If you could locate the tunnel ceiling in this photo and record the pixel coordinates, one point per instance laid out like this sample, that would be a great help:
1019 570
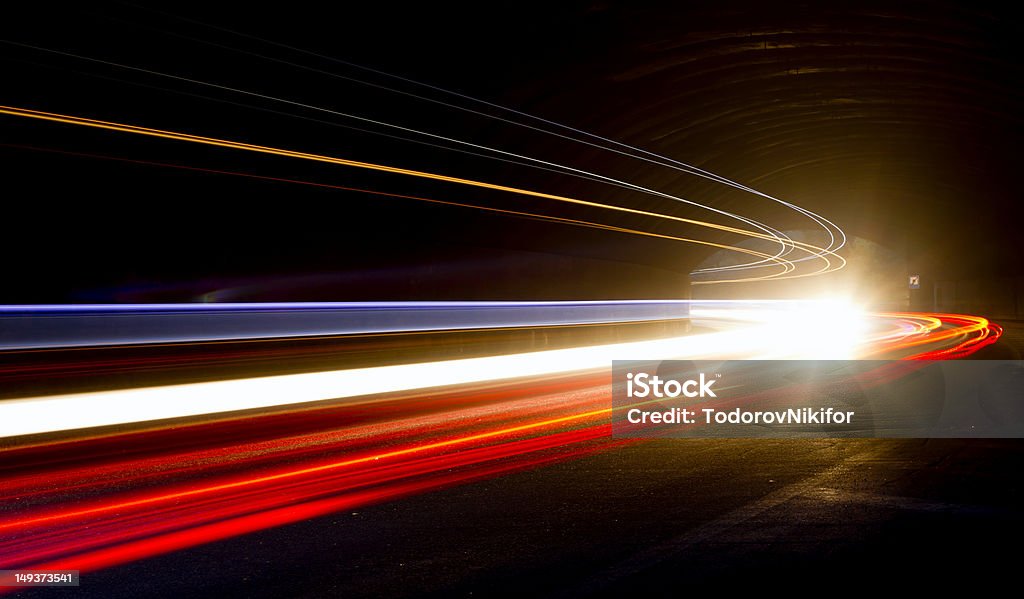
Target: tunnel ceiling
901 122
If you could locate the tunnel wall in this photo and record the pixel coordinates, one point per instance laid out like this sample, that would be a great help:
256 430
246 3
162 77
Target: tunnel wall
1000 297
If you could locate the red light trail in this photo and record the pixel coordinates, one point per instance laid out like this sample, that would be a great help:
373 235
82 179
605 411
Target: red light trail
84 503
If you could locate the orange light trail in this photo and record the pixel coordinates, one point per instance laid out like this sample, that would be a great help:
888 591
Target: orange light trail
433 439
786 265
811 250
964 325
312 470
134 528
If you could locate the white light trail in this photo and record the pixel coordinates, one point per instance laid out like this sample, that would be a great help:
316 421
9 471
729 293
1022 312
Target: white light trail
790 330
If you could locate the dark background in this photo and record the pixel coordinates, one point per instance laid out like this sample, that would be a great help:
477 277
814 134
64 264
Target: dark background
900 122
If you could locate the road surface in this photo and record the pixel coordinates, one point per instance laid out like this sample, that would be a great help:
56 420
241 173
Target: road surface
663 517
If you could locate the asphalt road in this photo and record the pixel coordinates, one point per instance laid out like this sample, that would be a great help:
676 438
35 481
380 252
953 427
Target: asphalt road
663 517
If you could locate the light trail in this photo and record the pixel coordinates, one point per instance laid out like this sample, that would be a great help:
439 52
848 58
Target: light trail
319 470
973 328
122 538
355 428
483 434
99 498
786 265
785 245
104 408
810 249
785 242
85 503
971 344
591 140
809 330
92 325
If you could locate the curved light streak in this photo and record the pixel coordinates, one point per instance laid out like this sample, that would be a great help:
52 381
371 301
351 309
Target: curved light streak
630 151
84 503
178 136
785 245
785 265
